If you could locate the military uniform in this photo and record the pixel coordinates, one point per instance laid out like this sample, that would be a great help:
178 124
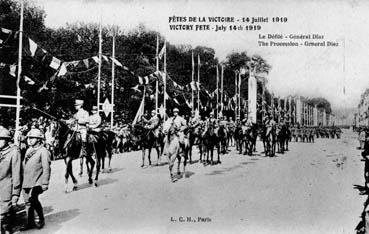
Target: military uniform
10 183
37 173
83 119
153 124
195 123
95 122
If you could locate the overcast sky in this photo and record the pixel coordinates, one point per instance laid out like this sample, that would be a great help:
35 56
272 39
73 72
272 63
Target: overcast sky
321 71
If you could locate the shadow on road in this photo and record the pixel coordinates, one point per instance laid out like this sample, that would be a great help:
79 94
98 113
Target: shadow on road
101 182
112 171
53 221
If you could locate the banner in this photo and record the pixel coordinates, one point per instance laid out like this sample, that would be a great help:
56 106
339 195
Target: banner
252 102
298 110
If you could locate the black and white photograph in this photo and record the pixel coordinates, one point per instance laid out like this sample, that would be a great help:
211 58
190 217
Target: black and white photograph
208 116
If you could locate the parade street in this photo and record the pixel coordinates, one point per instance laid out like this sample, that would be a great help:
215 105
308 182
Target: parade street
307 190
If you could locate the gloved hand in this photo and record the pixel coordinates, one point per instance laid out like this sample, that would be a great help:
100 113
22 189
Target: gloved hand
15 200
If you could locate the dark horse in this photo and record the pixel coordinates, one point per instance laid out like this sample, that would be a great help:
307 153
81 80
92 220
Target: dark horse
248 139
211 140
71 148
147 140
282 138
269 140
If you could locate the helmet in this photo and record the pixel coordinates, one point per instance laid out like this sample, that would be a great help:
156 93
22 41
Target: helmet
36 133
94 108
175 110
153 112
4 133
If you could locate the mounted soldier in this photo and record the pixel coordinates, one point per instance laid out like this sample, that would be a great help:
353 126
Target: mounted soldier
80 119
94 122
195 122
153 123
180 125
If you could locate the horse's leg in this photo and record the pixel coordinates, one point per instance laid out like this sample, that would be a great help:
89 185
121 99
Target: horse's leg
159 155
149 156
179 163
99 158
66 160
218 149
143 157
81 167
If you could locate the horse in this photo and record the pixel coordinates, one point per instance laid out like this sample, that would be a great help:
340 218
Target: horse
270 141
172 149
108 137
147 140
194 136
222 139
70 145
249 134
282 137
211 140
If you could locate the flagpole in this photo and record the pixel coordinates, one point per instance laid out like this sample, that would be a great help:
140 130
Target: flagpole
221 92
99 67
235 90
112 83
193 82
198 81
165 79
157 69
239 95
20 49
217 91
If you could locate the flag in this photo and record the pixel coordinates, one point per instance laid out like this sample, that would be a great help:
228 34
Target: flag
146 79
116 62
32 47
85 61
166 96
13 68
96 59
63 70
161 111
140 111
29 80
198 85
162 51
193 86
55 63
7 31
140 80
105 58
176 101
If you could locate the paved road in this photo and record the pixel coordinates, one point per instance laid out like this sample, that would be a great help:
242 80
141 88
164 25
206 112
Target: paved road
307 190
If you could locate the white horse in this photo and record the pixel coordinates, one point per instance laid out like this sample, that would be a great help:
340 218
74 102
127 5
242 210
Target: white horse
172 148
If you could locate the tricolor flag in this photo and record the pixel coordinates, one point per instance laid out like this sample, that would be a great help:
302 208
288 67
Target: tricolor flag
116 62
32 47
140 111
63 70
55 63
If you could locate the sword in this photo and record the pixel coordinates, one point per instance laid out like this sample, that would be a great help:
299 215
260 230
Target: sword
44 113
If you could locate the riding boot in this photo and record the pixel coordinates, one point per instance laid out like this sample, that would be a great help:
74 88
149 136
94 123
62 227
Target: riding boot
30 218
6 227
38 208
